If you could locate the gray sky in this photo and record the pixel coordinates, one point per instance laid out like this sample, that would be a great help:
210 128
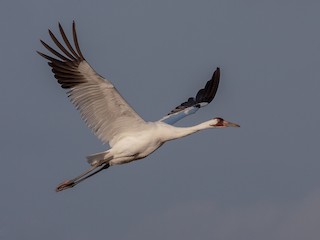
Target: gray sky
257 182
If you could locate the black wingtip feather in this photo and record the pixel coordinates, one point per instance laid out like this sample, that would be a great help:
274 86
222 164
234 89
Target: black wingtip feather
75 39
65 64
62 48
205 95
66 41
214 85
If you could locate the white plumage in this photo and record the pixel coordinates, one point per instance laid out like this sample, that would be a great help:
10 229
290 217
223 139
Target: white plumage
111 118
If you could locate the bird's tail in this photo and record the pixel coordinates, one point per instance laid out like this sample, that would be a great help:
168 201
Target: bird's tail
94 158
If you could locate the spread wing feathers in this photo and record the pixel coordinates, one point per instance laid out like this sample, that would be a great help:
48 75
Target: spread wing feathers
101 106
203 97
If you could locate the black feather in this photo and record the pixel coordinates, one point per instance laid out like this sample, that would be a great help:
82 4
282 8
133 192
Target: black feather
205 95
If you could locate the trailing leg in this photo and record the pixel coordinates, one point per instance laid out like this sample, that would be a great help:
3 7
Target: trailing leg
71 183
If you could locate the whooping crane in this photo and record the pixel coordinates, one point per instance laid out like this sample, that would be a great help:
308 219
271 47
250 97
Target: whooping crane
111 118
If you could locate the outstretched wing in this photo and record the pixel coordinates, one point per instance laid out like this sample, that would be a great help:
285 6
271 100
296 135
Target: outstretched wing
101 106
203 98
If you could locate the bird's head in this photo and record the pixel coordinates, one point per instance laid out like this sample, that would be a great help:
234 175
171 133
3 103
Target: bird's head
221 123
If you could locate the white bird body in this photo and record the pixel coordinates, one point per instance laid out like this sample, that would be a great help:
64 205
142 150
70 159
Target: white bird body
111 118
136 145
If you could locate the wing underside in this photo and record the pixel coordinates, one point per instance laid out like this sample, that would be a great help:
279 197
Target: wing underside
101 106
193 104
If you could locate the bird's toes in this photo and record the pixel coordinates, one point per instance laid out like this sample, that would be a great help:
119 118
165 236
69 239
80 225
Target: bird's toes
65 185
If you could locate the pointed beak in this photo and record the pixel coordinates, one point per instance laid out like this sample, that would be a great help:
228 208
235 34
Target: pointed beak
230 124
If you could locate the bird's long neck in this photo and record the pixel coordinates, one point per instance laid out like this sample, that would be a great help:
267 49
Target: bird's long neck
179 132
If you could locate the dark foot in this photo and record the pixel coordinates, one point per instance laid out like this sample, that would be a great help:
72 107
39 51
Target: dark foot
65 185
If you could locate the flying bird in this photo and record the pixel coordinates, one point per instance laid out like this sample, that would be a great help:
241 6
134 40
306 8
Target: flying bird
111 118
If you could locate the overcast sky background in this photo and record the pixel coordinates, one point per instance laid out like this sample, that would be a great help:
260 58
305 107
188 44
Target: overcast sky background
257 182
